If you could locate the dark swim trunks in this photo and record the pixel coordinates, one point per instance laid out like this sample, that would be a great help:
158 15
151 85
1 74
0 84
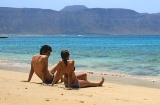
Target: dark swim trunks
74 85
50 81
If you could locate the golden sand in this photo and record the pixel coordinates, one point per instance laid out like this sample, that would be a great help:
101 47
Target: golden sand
15 92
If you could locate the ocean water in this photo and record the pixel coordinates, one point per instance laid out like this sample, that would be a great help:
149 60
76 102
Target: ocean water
137 55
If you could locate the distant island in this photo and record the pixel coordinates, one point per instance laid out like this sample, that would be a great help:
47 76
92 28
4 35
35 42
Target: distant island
3 37
78 19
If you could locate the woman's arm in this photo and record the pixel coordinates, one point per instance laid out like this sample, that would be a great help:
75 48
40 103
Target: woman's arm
58 74
69 80
71 70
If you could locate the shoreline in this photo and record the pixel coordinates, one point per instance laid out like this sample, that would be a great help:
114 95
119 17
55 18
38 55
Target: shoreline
116 78
15 92
124 79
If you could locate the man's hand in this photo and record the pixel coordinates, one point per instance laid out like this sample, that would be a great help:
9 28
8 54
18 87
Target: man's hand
25 81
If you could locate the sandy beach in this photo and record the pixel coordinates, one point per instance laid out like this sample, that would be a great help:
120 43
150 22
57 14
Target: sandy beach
15 92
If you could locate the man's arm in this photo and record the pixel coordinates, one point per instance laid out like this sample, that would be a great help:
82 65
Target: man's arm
30 74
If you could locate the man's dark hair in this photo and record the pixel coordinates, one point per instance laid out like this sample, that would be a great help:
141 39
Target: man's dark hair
45 48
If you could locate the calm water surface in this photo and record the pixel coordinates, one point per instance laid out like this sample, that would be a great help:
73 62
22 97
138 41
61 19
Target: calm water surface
137 55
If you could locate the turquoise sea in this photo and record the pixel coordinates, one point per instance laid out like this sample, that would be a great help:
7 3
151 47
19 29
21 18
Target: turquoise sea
135 55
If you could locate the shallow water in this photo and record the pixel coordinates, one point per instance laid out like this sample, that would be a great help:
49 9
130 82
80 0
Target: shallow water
136 55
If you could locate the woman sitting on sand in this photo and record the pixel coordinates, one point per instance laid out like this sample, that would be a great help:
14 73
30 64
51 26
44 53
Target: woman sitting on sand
66 67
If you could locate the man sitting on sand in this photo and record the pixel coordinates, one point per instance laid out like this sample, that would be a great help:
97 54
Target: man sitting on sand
39 65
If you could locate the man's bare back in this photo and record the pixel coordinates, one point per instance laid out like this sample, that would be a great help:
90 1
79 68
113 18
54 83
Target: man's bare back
40 67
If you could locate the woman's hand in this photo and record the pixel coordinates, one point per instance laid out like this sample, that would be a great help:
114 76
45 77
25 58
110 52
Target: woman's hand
47 84
69 88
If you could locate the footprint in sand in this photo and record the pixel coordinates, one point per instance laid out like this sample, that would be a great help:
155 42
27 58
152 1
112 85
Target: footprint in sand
89 95
144 99
84 95
47 99
81 101
110 87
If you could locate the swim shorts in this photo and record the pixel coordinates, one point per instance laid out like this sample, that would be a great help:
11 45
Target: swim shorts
50 81
74 85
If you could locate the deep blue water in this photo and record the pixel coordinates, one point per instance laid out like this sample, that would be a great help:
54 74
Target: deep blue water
125 54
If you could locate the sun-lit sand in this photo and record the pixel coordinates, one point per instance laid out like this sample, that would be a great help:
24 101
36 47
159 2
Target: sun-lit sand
15 92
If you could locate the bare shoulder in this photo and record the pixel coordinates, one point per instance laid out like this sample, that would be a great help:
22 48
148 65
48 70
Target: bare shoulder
71 61
44 56
60 62
39 57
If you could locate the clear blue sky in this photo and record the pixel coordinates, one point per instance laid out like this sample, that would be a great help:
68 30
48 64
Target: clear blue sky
142 6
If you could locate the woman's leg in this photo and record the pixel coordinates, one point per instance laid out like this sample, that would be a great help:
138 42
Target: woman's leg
53 69
82 76
84 83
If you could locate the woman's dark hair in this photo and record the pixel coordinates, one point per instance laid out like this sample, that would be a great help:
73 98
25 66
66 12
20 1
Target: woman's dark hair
45 48
65 55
